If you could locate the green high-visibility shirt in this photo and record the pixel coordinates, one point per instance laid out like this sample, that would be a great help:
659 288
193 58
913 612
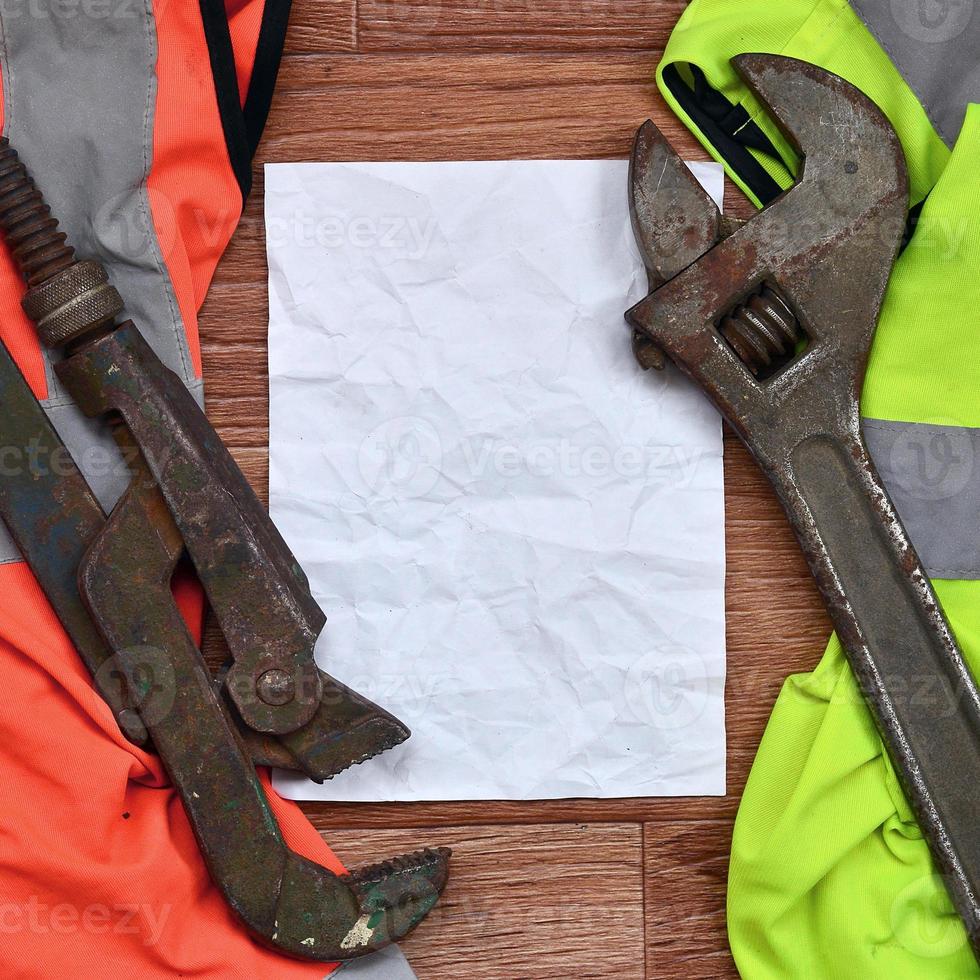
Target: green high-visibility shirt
830 876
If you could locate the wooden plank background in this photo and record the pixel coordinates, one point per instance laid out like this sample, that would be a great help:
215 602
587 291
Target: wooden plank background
575 888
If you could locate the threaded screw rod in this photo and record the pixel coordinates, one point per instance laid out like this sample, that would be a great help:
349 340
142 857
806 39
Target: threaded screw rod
67 299
40 250
763 331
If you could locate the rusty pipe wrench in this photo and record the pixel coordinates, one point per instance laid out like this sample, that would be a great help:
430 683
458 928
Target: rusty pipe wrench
258 592
119 570
775 323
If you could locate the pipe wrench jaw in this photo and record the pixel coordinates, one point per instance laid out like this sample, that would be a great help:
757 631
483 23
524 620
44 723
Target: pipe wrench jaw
330 919
801 282
397 895
346 730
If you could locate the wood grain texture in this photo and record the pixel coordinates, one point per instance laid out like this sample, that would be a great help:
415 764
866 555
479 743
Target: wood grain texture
686 869
525 901
575 25
322 25
536 887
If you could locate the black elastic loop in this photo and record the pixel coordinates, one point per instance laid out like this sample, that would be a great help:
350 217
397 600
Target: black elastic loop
268 54
912 225
222 55
729 129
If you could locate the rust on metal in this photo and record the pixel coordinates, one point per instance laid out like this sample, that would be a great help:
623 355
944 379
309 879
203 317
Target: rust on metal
775 323
53 516
297 906
109 581
257 590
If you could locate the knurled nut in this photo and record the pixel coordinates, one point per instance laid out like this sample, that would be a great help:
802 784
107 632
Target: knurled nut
72 303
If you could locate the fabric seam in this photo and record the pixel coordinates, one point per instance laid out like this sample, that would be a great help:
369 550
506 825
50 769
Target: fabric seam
162 271
894 60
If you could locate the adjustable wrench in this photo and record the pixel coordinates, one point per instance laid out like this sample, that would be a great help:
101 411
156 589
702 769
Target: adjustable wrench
774 320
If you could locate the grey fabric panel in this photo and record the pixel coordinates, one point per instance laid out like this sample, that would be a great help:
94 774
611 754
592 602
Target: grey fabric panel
933 477
935 44
388 964
79 94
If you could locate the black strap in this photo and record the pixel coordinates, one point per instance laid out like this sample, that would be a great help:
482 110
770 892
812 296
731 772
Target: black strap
912 225
222 54
268 54
728 128
243 125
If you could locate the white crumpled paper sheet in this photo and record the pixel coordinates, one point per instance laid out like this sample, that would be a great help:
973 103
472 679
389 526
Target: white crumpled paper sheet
516 534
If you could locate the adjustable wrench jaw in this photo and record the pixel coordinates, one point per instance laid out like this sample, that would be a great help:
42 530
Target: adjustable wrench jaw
823 251
674 221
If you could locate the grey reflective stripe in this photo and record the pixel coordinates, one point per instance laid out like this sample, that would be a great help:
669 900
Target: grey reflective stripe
79 88
932 473
388 964
935 44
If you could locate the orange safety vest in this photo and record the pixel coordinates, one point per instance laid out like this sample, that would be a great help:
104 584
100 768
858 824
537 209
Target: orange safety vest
139 121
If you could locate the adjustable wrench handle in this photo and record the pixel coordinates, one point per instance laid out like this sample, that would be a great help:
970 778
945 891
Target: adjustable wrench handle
899 644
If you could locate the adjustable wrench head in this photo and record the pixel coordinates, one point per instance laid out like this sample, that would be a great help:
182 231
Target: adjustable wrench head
790 299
